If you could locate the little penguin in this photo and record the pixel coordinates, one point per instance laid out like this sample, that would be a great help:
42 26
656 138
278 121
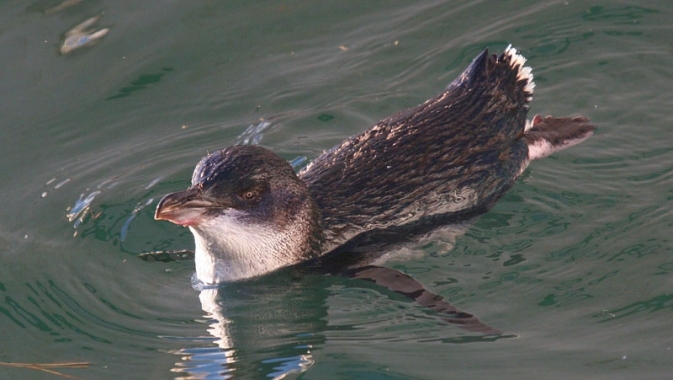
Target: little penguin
444 161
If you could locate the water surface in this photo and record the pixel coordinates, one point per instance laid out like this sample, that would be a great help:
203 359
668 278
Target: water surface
574 261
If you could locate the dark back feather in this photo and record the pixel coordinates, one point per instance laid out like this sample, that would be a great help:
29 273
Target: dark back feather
456 152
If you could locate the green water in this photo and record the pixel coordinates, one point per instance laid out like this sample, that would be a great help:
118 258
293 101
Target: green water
574 261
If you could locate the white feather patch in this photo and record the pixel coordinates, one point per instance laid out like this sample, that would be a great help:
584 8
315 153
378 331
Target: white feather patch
524 73
541 148
230 249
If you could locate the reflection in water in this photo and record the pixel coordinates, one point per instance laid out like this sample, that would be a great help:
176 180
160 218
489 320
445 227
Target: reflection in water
219 323
204 363
141 83
656 303
271 326
258 328
407 286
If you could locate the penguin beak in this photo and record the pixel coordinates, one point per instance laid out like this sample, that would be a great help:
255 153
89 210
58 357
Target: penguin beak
184 208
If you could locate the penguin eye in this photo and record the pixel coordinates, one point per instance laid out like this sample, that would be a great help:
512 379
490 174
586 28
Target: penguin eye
249 194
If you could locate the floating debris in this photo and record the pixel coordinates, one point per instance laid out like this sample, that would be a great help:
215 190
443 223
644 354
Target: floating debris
82 35
50 367
298 161
253 134
80 207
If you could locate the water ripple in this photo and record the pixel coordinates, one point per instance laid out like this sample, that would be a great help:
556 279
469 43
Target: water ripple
51 310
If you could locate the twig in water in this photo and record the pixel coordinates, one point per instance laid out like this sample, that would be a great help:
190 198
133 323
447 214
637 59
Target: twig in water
44 367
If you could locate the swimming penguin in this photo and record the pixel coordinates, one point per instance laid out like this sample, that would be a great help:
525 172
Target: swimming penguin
444 161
